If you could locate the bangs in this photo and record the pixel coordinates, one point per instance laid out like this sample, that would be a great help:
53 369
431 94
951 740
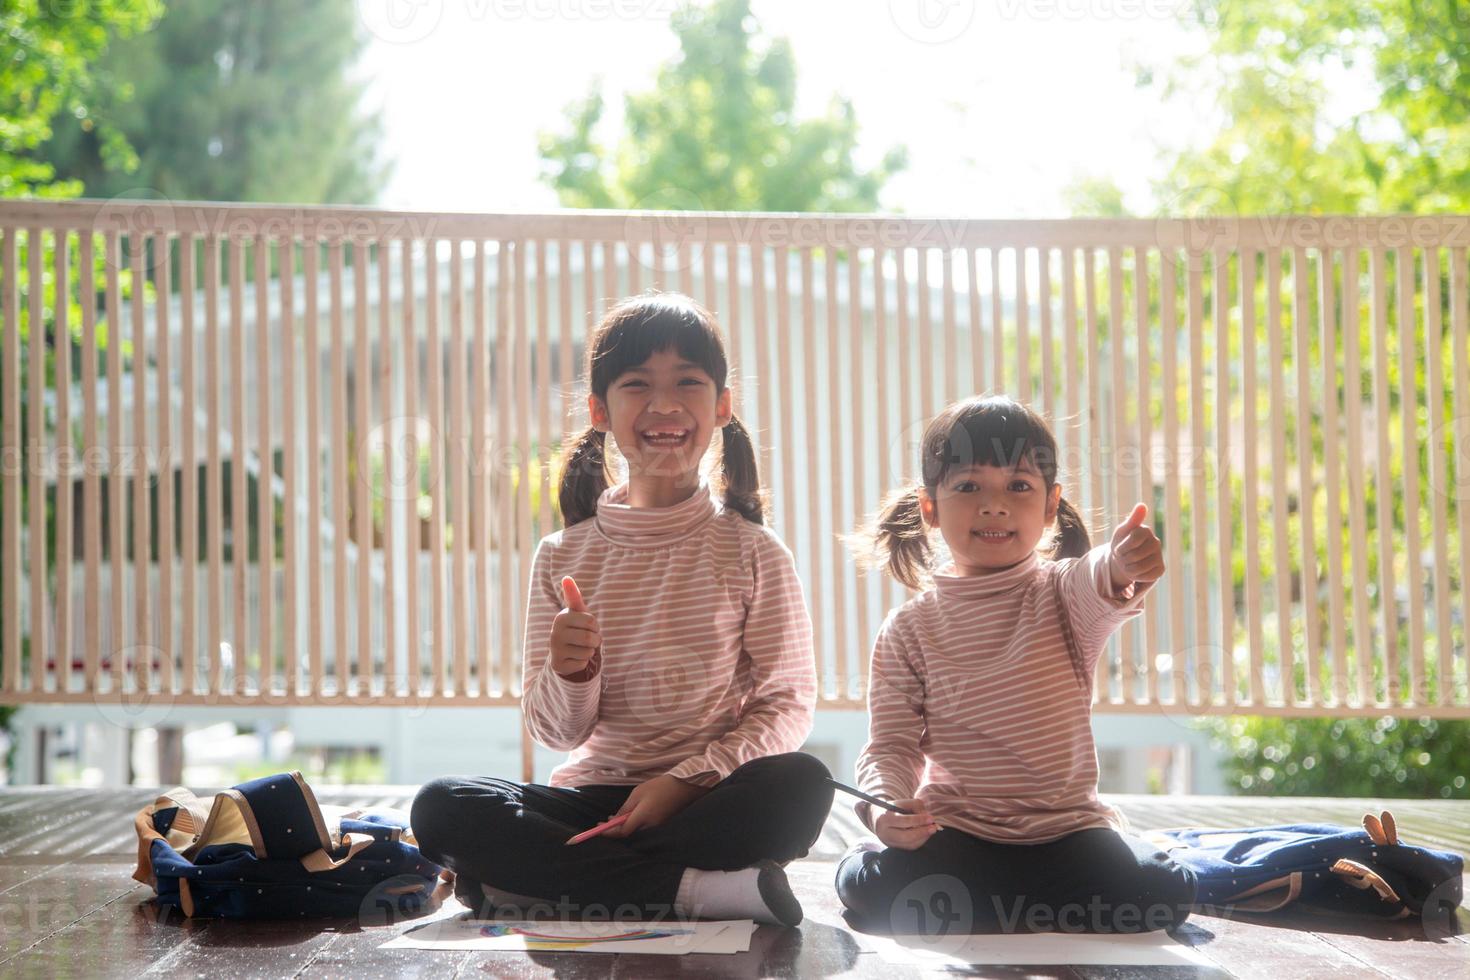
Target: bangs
637 329
990 432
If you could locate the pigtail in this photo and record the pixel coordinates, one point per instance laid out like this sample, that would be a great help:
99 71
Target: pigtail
1071 538
897 539
741 473
583 476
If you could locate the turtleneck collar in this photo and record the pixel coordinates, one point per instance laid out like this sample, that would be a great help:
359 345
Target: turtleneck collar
652 526
955 586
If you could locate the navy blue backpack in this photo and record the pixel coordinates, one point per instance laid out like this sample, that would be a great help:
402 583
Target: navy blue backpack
1317 868
266 850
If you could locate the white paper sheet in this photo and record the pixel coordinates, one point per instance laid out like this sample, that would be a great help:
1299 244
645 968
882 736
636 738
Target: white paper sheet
1080 949
659 938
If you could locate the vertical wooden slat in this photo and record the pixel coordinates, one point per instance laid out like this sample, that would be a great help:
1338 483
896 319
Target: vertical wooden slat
1073 428
909 423
709 295
1281 558
1173 523
505 507
311 374
290 663
809 359
214 489
1023 329
1386 489
413 548
239 447
483 460
65 474
264 494
1097 501
1327 333
433 375
1306 503
338 455
116 491
166 457
91 488
861 502
1048 352
1220 293
1363 640
759 323
543 388
888 474
951 368
391 488
838 474
522 362
362 508
10 574
1141 320
1409 446
1434 399
997 327
1250 508
1199 579
977 346
456 460
566 375
1459 296
686 268
634 253
39 449
142 532
928 402
732 320
788 519
1116 439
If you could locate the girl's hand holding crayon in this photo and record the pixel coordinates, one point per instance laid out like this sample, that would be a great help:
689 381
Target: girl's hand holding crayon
654 801
905 831
1137 555
576 641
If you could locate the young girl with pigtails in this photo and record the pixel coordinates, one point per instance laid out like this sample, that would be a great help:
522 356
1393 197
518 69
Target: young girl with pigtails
668 648
980 698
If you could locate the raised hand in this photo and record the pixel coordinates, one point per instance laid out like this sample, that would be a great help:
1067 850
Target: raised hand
576 641
1137 554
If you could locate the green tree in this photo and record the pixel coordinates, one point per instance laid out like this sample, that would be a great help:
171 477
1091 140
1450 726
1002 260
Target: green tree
719 131
231 101
48 81
1273 71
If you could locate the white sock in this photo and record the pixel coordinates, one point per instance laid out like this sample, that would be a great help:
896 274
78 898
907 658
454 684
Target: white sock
737 895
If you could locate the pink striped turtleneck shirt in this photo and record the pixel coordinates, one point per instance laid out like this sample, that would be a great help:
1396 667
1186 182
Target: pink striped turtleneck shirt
707 656
977 709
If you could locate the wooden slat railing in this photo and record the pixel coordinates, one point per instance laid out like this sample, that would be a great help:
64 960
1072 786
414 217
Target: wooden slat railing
363 409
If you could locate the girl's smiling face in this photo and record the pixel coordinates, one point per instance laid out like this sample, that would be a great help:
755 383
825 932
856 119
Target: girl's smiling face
663 414
991 517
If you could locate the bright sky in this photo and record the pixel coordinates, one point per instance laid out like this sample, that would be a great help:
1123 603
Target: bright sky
1001 104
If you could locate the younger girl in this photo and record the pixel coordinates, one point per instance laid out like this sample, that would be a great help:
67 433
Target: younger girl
669 649
980 701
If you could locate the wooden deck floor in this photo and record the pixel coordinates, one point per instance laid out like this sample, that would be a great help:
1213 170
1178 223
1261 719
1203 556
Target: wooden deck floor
69 908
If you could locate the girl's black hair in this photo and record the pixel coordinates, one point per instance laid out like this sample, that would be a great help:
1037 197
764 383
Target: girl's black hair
625 337
983 431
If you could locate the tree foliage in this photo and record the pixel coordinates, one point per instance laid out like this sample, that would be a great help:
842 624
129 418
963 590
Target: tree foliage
719 131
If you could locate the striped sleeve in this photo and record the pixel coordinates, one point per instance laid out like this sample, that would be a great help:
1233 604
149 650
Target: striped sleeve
1095 610
891 763
560 713
776 717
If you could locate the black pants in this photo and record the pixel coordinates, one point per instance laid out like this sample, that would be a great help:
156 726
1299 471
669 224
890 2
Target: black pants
512 836
1090 881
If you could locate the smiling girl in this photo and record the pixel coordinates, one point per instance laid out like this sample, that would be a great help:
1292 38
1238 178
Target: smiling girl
668 648
980 700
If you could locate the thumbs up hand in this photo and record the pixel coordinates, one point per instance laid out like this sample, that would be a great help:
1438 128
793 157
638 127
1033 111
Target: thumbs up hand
576 641
1137 555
